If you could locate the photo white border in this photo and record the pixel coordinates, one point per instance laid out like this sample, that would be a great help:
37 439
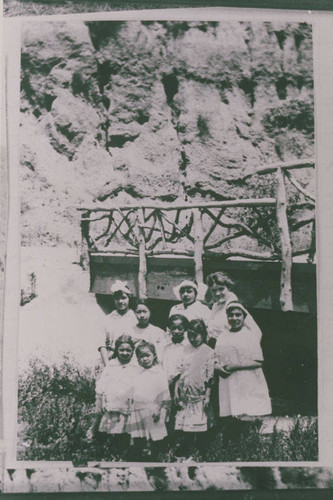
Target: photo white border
322 23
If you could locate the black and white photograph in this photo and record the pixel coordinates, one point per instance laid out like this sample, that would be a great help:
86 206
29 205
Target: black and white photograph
168 242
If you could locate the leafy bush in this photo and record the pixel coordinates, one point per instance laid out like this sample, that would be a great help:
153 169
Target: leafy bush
55 404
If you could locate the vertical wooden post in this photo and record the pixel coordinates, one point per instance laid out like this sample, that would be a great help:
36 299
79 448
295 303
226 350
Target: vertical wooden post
312 251
142 277
198 245
85 228
286 299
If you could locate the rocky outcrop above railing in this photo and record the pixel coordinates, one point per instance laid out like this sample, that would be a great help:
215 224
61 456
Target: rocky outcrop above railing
127 111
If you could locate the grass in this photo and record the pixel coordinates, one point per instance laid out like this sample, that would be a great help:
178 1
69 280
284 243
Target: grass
55 404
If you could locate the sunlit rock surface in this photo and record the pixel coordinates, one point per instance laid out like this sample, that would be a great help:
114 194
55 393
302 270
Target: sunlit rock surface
120 111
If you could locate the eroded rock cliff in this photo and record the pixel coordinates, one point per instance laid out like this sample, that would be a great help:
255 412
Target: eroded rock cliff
159 110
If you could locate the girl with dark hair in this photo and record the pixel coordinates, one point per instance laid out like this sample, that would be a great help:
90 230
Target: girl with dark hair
243 391
144 330
122 319
174 349
150 402
114 397
192 393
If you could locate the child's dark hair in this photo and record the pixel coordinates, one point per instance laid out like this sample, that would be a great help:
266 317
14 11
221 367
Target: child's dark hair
198 326
146 345
119 293
142 302
176 317
123 339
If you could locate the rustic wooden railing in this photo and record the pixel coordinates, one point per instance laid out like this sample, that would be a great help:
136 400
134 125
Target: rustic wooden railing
198 229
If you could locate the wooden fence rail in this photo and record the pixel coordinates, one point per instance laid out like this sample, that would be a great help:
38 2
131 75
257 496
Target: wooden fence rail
189 229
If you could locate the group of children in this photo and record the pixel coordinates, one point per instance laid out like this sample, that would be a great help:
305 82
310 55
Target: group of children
157 384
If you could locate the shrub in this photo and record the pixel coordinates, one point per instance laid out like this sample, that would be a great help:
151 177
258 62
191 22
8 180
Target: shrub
55 403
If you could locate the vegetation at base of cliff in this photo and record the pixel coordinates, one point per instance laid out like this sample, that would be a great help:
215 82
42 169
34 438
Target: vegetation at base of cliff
55 404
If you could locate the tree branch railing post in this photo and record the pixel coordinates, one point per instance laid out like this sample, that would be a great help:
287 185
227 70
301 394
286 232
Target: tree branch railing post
198 245
85 230
193 231
142 276
286 300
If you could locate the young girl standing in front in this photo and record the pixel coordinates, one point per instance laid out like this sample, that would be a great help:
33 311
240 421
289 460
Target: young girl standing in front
192 392
150 402
114 397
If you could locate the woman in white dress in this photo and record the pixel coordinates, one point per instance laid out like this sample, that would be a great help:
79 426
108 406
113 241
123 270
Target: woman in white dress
243 391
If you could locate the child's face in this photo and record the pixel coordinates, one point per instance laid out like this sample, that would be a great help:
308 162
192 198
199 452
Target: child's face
188 295
142 315
121 301
146 358
125 353
177 331
219 292
236 318
195 338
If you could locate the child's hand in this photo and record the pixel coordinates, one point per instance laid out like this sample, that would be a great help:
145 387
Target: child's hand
206 401
156 416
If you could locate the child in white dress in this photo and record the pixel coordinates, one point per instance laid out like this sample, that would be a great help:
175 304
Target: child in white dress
173 360
192 392
174 349
144 330
243 391
114 397
122 319
150 403
190 307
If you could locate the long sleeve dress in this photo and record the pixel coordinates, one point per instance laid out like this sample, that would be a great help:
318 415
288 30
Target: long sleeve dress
150 396
196 375
117 324
114 390
244 392
151 334
197 310
173 358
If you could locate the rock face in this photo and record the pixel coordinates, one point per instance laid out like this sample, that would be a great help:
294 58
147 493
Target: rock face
159 110
170 478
